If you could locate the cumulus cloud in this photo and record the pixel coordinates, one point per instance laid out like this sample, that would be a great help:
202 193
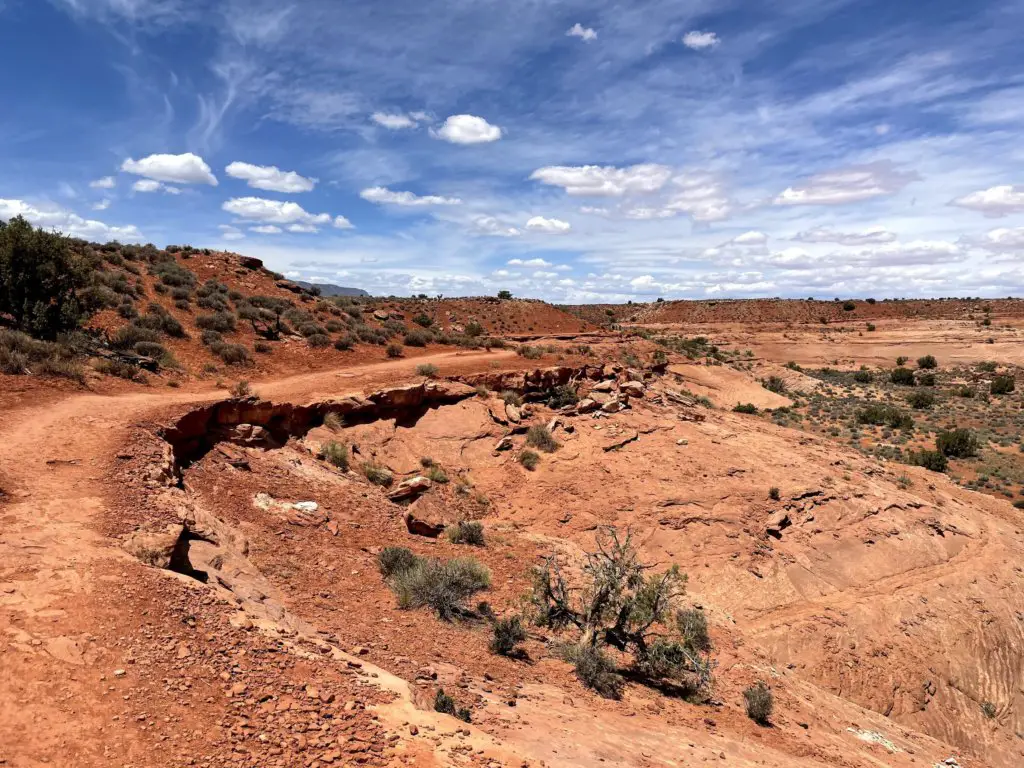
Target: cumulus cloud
873 236
281 213
266 229
848 185
915 252
1004 239
529 263
385 196
467 129
270 178
698 40
489 225
752 237
586 34
175 169
107 182
701 197
102 205
52 217
146 185
230 233
994 201
548 226
604 181
397 121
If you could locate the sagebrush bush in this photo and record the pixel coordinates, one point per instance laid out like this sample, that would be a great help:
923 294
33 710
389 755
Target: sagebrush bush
529 459
318 340
745 408
774 384
232 354
935 461
391 560
927 362
417 338
465 532
446 705
693 627
959 443
540 437
506 634
224 322
596 671
427 369
921 400
759 702
903 377
1002 385
150 349
120 369
335 453
562 396
344 343
377 474
394 350
863 377
443 586
509 397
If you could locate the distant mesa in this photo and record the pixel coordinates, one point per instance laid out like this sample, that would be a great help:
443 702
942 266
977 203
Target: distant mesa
326 289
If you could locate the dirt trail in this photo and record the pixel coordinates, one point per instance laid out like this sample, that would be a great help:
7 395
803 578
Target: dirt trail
53 563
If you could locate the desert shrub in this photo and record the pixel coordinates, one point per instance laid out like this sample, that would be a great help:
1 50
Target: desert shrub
511 397
987 321
562 396
443 586
849 306
150 349
988 709
465 532
392 560
232 354
378 475
473 328
931 460
333 326
334 421
901 360
172 275
394 350
184 306
159 319
863 377
214 302
759 702
20 354
530 353
927 362
540 437
959 443
181 294
120 369
529 459
745 408
241 389
335 453
436 474
506 634
423 320
130 335
692 624
596 671
1002 385
774 384
445 704
127 310
427 369
211 338
264 314
624 604
963 391
926 379
344 343
417 338
869 327
263 347
987 366
904 377
504 295
921 400
774 493
310 329
880 414
224 322
318 340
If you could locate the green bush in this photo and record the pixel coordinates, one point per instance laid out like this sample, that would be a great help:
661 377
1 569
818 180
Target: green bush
394 350
318 340
465 532
903 377
1002 385
150 349
988 366
130 335
530 353
745 408
445 704
774 384
774 494
120 369
964 391
849 306
378 475
423 320
20 354
232 354
473 328
596 671
506 634
931 460
344 343
927 362
759 702
957 443
335 453
540 437
879 414
392 560
863 377
222 322
693 627
40 280
511 398
921 400
529 459
562 396
417 338
427 369
443 586
870 327
901 360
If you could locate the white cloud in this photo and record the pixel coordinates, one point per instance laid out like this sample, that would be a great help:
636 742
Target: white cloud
700 40
303 229
107 182
586 34
489 225
393 122
266 229
270 178
230 233
147 185
549 226
604 181
873 236
529 263
383 195
994 201
177 169
848 185
750 238
282 213
102 205
1004 239
467 129
915 252
701 197
67 222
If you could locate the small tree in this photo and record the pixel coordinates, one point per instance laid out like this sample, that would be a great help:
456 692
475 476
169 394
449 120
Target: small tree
504 295
902 376
958 443
927 362
1002 385
760 702
40 278
506 635
625 606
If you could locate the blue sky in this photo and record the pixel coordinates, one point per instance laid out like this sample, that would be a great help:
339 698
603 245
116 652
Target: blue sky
567 150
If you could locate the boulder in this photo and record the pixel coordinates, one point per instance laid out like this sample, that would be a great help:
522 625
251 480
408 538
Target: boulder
614 406
587 405
420 527
410 488
505 444
604 386
633 388
512 413
632 374
159 549
381 314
